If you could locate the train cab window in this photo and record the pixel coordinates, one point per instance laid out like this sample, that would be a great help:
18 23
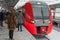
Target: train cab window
40 11
45 12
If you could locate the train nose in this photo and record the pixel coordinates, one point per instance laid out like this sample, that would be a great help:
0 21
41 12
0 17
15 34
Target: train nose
43 29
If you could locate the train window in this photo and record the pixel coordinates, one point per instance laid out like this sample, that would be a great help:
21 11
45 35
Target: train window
38 10
45 12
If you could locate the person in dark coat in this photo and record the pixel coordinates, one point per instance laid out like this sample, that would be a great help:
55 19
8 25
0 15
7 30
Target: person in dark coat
12 22
1 19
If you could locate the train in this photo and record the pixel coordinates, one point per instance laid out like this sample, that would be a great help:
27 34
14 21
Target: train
38 18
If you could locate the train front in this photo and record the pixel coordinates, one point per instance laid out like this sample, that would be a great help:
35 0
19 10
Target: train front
41 21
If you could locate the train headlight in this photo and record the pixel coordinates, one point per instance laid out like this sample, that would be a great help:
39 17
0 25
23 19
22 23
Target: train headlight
48 21
32 21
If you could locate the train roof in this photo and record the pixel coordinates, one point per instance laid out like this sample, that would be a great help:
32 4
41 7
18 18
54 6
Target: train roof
22 3
38 2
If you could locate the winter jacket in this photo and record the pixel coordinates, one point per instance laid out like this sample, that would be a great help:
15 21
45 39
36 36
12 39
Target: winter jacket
12 21
1 16
20 17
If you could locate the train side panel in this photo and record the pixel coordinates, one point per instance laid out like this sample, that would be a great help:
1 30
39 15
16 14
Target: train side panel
29 17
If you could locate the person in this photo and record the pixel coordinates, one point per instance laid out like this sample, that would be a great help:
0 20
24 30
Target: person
12 22
20 20
1 18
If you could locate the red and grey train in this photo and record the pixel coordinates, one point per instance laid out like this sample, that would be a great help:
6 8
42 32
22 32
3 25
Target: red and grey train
38 18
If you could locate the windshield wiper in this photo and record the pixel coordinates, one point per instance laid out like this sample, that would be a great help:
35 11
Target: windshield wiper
42 14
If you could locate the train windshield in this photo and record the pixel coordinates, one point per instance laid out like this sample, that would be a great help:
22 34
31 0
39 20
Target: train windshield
40 11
